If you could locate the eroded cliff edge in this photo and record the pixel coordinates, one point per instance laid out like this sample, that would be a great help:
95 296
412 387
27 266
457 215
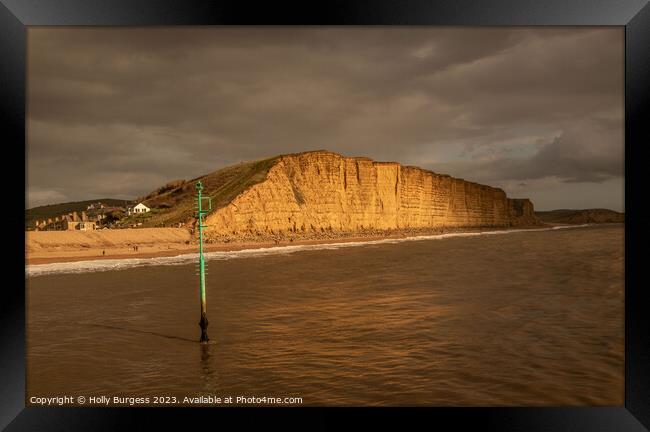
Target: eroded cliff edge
326 192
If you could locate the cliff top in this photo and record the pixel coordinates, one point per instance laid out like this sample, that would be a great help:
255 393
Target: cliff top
324 153
374 162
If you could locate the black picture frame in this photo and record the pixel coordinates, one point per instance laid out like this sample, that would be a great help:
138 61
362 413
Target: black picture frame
634 15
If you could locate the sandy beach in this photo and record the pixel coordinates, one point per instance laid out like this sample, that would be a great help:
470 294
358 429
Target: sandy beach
46 247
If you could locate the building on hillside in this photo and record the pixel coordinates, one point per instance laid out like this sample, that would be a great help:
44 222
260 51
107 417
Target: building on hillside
138 209
95 206
97 214
69 222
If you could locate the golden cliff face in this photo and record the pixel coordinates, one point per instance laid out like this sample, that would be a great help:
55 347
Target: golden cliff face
323 191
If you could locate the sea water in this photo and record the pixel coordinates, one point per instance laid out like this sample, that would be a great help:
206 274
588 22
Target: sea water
519 317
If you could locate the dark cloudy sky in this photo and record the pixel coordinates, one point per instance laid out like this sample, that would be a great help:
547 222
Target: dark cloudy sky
117 112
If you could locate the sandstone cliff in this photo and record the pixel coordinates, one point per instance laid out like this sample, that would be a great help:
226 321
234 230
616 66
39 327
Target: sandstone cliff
323 191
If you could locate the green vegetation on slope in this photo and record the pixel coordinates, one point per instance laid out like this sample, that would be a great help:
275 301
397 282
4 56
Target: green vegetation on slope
54 210
174 202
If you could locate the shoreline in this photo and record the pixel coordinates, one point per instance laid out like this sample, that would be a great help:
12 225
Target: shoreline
176 249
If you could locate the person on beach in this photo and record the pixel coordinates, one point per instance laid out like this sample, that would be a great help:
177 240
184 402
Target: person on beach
103 252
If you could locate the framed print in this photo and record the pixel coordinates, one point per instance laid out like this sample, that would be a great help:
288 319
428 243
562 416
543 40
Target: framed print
352 213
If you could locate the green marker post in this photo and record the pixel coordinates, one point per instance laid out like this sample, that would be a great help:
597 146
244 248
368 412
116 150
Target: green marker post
203 323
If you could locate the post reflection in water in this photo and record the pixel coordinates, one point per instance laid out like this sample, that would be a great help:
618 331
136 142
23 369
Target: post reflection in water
208 372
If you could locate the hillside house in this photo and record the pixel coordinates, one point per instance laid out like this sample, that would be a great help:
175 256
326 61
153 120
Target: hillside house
98 214
138 209
95 206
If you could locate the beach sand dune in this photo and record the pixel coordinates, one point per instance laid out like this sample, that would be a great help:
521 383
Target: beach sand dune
44 247
68 244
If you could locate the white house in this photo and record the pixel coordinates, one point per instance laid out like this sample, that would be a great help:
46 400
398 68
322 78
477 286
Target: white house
140 208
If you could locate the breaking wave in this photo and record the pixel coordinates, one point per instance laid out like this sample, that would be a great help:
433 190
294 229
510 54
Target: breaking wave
127 263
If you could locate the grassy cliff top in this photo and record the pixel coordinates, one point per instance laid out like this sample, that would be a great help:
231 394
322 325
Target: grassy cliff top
174 202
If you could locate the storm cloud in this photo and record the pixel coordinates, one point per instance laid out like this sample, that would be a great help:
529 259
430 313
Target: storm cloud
116 112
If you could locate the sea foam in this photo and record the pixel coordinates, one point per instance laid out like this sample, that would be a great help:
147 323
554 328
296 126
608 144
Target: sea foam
127 263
